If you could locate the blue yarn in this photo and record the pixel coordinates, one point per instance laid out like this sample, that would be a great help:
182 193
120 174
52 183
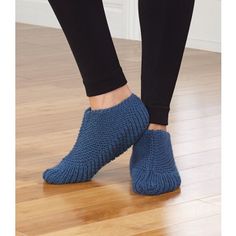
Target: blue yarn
104 135
152 165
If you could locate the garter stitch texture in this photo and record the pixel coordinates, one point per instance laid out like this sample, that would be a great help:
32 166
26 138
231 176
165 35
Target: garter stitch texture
103 136
152 165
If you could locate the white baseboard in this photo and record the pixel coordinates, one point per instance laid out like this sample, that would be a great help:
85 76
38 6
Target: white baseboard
121 15
207 45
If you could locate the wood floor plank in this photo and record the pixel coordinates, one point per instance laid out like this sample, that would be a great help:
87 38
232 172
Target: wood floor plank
210 226
142 222
112 201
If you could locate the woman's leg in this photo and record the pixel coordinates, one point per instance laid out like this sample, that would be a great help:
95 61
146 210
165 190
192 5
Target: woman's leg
116 118
86 29
164 28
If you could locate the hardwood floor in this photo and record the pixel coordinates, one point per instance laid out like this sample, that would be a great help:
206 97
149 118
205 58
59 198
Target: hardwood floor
50 104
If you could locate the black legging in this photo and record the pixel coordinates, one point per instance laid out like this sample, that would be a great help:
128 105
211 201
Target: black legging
164 28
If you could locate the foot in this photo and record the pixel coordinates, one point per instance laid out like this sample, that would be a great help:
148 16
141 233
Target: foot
157 127
152 165
109 99
104 135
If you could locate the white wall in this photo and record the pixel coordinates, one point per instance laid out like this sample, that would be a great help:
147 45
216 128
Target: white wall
122 17
205 30
39 12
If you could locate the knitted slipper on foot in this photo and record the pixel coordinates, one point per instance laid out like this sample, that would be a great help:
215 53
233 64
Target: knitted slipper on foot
152 165
103 136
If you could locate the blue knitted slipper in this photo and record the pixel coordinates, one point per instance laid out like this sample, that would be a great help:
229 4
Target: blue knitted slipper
152 165
103 136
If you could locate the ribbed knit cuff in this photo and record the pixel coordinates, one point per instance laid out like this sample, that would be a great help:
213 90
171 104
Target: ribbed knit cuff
108 83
